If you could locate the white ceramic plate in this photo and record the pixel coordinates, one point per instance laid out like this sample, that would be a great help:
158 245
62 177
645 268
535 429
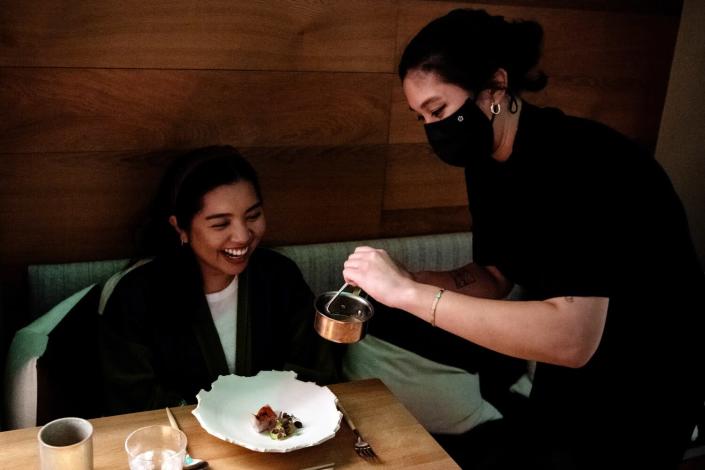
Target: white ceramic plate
226 410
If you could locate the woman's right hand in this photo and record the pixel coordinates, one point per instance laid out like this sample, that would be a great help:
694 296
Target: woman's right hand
374 271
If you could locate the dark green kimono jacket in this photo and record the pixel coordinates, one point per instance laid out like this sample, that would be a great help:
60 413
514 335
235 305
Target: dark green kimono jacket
160 347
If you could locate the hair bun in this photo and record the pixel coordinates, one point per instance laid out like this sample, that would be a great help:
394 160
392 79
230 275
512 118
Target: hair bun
467 46
523 42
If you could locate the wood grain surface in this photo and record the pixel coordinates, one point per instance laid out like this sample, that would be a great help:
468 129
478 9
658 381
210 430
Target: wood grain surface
604 65
309 35
96 97
396 436
70 110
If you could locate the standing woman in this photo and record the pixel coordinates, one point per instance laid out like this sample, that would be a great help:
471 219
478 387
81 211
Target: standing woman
582 218
211 302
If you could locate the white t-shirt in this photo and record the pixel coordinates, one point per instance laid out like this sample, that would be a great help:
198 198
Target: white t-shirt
223 307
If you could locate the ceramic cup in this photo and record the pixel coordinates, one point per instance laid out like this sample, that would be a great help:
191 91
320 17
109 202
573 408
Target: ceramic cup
66 444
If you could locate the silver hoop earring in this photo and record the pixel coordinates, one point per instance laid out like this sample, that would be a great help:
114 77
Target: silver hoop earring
183 242
495 108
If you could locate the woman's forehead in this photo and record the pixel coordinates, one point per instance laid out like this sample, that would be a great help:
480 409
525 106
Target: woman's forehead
239 193
423 88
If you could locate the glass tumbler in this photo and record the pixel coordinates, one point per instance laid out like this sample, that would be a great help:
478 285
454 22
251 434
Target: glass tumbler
156 448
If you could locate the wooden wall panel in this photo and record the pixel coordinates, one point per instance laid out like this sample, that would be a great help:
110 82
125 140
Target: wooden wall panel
57 207
324 35
89 205
653 7
93 202
72 110
426 221
612 67
318 194
417 179
96 97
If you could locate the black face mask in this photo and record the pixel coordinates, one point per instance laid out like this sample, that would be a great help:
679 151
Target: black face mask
462 138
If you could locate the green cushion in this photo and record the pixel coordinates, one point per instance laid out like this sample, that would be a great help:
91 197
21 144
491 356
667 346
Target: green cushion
27 346
49 284
322 263
443 399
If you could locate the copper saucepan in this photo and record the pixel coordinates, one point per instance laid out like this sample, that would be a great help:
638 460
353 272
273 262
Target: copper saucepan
345 319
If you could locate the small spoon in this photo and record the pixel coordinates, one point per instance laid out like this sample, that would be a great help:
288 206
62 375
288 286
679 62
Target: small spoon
189 462
327 307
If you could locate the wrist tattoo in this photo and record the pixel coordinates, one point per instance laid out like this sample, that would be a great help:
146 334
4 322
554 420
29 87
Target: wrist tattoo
462 278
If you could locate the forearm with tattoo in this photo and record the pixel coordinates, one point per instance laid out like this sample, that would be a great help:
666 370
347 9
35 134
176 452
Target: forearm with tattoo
462 277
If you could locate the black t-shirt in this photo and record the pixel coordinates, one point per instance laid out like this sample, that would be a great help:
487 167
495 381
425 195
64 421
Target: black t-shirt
580 210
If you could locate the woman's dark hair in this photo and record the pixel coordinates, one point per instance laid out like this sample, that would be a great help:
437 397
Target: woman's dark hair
466 47
181 190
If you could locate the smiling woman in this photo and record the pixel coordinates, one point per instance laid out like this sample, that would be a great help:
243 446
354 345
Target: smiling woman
209 302
224 232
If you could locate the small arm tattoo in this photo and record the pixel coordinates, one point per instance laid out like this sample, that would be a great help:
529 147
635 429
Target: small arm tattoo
569 299
462 277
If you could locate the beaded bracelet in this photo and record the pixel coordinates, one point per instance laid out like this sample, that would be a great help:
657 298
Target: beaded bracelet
436 298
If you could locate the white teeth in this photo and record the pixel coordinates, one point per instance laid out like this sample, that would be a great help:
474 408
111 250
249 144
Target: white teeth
235 252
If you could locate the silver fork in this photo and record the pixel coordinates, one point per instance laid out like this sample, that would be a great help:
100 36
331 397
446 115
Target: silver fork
189 462
362 447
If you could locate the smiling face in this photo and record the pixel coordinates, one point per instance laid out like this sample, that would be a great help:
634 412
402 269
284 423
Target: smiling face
225 232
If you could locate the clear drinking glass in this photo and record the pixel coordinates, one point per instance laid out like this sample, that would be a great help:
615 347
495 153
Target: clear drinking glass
156 448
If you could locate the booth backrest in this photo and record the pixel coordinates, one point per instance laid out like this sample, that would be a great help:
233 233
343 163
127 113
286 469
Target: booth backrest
49 284
56 288
320 263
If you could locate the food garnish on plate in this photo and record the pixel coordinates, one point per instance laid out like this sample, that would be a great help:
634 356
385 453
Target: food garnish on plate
279 425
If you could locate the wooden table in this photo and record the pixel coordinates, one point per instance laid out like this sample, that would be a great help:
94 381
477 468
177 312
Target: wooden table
399 440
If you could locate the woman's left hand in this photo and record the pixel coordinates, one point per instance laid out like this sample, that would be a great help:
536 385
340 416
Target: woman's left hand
375 272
